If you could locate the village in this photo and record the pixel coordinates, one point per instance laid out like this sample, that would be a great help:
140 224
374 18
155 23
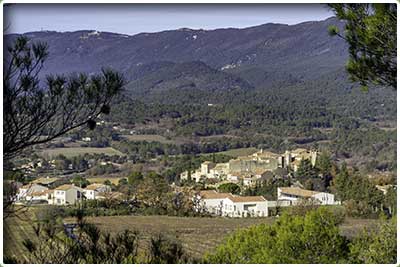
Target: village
244 171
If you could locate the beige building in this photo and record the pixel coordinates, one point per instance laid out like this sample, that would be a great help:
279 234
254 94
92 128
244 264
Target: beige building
67 194
208 170
294 157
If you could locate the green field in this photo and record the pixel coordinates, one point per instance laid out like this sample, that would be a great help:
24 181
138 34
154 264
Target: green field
76 151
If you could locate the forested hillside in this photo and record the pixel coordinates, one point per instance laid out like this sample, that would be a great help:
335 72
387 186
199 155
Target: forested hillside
274 86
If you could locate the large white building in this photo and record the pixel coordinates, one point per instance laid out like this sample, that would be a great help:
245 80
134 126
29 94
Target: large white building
295 195
226 204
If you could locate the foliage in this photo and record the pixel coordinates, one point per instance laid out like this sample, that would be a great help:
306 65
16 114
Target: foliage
80 181
267 189
391 200
229 188
135 178
360 196
165 251
86 244
371 34
378 246
287 114
152 191
324 163
306 170
34 109
313 238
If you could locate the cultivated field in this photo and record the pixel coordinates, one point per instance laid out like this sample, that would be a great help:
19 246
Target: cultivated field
76 151
198 235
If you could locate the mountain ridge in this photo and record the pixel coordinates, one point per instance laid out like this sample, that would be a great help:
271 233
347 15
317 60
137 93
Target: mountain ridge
262 56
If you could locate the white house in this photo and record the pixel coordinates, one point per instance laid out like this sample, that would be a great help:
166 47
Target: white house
226 204
92 191
25 192
67 194
245 206
295 194
209 201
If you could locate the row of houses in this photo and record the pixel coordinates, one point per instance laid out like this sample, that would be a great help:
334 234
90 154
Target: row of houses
227 204
66 194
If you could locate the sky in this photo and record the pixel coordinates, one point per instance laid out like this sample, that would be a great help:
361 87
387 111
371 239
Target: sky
136 18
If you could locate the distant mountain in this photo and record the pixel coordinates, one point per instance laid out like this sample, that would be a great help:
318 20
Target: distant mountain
222 59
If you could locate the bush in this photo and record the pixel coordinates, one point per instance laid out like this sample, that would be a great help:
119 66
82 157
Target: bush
313 238
359 209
